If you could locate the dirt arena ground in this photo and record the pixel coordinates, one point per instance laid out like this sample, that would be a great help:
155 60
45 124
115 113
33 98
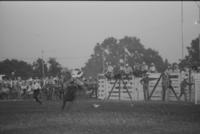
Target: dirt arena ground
28 117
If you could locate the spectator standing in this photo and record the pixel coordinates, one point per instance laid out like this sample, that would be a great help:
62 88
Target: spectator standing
36 90
145 82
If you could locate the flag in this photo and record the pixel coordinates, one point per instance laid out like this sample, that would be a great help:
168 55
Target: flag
106 51
126 50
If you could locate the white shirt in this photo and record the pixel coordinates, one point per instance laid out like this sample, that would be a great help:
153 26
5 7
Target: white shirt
152 68
110 69
128 70
36 86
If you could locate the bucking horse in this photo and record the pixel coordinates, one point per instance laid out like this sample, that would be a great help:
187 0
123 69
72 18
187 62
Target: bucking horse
71 86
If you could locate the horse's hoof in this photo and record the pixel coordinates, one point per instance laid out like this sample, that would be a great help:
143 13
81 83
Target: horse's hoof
96 105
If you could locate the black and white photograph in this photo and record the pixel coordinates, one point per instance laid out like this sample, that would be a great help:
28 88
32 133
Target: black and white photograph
100 67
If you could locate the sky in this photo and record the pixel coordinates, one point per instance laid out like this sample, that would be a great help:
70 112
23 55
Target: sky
69 30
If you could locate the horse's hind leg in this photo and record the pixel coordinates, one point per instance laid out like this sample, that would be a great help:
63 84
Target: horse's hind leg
63 105
68 105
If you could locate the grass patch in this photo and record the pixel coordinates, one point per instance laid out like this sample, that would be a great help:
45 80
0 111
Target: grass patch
27 117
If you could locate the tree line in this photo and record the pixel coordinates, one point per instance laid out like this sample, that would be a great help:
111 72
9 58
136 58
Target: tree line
16 68
109 51
193 57
131 49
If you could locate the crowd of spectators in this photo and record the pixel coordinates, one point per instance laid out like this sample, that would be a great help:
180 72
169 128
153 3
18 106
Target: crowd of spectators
126 70
50 88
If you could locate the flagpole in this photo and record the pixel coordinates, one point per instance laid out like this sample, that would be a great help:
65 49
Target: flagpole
127 54
103 62
182 56
103 58
42 52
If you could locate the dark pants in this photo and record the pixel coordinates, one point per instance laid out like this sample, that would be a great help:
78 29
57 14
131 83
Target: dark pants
146 93
164 89
69 98
68 103
35 96
185 96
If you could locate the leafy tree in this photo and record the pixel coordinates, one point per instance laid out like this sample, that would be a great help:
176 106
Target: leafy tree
193 58
39 68
128 48
54 68
16 68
